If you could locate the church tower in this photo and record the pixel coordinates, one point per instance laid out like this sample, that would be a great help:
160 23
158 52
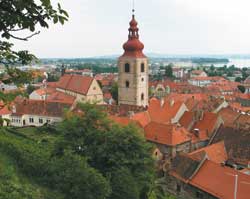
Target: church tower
133 70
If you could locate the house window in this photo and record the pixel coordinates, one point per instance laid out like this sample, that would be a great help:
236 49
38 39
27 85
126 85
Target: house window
142 96
127 84
127 68
40 120
142 67
31 120
142 79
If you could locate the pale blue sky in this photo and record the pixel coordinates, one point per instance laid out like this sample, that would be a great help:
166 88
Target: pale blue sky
99 27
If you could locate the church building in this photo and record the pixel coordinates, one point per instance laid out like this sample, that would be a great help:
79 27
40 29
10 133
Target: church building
133 70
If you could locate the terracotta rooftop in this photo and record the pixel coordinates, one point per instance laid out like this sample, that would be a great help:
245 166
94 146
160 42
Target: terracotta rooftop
187 119
5 110
213 178
163 113
39 107
219 181
143 118
61 97
215 152
166 134
44 91
228 115
207 123
76 83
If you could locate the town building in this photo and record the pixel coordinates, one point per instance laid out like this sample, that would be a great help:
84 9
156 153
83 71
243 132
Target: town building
83 88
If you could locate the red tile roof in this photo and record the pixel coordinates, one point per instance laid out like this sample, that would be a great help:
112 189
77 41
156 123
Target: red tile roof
143 118
207 124
215 152
163 113
124 121
228 115
43 91
220 181
166 134
40 108
187 119
76 83
5 110
61 97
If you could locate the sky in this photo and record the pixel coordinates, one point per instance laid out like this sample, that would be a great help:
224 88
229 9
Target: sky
100 27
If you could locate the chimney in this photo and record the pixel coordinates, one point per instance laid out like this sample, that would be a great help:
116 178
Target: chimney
201 115
162 102
196 132
172 103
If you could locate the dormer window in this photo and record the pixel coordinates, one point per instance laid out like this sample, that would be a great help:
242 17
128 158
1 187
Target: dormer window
142 67
127 68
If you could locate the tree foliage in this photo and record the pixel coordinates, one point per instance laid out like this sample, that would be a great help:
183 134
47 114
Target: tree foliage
242 88
114 91
169 70
24 15
111 149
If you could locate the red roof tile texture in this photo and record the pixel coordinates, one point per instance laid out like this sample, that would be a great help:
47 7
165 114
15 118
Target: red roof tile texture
220 181
215 152
207 123
61 97
76 83
166 134
41 108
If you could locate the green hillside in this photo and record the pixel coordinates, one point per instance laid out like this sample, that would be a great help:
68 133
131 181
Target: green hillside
15 185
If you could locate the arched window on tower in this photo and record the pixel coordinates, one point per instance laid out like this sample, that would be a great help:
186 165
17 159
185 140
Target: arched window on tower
142 96
142 67
127 68
127 84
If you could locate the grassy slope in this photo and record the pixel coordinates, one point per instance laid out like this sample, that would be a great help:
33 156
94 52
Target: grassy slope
14 185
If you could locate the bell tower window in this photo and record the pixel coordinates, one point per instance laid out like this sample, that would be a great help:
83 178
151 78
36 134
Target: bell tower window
127 84
142 67
142 96
127 68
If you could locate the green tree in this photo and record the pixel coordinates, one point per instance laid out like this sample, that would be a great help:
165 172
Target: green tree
169 71
238 79
123 185
30 89
109 148
114 91
242 88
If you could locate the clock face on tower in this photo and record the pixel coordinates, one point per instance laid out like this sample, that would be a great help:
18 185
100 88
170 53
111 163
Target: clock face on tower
133 70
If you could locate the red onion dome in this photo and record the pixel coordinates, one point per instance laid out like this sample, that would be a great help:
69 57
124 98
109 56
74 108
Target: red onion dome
133 47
